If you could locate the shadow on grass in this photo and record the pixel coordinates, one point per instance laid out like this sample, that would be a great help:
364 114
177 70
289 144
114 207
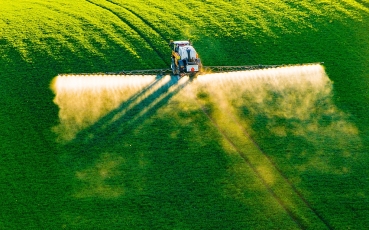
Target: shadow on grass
122 121
166 169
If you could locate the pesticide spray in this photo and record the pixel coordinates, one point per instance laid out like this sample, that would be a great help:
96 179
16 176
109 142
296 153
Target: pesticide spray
286 114
96 107
289 110
84 100
291 106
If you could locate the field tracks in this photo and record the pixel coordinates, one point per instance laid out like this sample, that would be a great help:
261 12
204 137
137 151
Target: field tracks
148 24
272 178
281 173
137 29
247 161
79 32
142 19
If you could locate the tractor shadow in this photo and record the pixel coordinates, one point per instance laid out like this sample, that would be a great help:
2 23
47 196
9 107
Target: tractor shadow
144 161
109 130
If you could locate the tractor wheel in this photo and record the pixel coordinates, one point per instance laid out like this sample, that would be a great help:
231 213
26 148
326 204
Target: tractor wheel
175 69
200 65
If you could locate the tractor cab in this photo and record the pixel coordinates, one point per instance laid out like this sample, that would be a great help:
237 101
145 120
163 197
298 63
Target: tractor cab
184 58
176 44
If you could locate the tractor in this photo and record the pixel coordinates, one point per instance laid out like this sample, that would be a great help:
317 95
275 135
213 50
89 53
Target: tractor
185 59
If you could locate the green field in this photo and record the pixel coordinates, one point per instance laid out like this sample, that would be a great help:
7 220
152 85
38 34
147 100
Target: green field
272 149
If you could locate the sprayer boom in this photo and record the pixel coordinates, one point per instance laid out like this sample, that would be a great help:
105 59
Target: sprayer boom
185 61
203 70
222 69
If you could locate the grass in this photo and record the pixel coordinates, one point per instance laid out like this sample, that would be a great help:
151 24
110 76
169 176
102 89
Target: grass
174 167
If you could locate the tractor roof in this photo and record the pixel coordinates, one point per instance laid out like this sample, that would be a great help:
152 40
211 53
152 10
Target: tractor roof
181 42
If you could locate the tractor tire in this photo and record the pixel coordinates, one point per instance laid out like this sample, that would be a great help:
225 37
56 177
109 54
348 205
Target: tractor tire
174 68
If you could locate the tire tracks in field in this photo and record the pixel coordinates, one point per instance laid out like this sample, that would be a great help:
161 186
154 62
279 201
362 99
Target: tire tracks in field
253 168
150 25
281 173
295 217
132 26
142 19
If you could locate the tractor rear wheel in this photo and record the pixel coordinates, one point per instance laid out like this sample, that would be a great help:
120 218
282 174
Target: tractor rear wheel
175 69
